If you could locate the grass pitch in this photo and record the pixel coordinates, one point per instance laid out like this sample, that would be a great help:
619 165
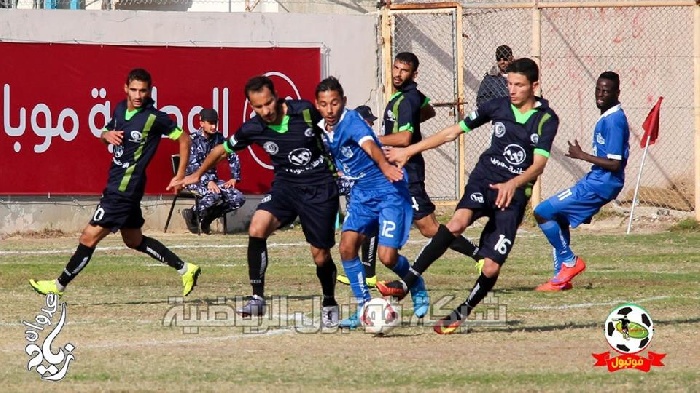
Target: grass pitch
127 323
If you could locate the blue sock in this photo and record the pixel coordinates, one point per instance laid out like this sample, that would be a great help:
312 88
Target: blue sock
401 269
553 232
556 261
356 274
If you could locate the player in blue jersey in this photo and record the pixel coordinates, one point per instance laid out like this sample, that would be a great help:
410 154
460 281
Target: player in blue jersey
402 127
380 202
578 204
499 187
303 186
134 132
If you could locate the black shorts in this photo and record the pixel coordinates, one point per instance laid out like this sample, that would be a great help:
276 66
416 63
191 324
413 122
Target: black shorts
498 236
315 205
116 213
420 201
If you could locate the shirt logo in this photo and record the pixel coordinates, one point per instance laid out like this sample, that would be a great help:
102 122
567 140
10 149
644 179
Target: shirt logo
300 156
473 115
477 197
499 129
534 138
118 151
346 151
271 148
135 136
514 154
599 139
309 132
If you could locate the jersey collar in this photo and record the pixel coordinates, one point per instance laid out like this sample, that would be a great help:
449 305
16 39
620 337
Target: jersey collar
322 124
611 110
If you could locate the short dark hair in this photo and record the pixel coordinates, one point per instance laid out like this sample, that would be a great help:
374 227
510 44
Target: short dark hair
257 83
525 66
504 52
138 74
612 77
330 84
408 58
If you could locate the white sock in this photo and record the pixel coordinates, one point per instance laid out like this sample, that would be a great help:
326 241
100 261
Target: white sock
183 270
60 287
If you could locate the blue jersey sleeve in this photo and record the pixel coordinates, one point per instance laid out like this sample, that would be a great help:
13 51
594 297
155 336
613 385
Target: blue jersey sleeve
359 130
616 137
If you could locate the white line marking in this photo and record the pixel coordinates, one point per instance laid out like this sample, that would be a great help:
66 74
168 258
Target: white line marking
587 305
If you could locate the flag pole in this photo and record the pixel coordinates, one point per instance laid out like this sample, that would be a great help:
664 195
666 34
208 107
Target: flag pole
636 187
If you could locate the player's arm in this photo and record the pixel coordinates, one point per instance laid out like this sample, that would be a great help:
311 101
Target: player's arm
399 139
391 172
427 111
184 142
609 164
110 136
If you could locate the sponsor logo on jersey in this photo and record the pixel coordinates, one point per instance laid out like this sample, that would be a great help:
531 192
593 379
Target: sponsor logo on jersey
499 129
271 148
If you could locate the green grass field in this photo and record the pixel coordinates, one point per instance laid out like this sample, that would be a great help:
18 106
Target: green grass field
523 340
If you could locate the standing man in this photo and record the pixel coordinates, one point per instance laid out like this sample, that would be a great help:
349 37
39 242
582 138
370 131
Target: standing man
578 204
499 187
218 197
303 186
134 131
495 83
402 119
379 202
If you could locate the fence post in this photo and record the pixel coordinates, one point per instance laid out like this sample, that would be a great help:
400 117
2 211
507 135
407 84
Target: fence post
537 56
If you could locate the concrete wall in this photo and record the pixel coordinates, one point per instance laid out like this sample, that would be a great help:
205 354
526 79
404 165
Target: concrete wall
350 42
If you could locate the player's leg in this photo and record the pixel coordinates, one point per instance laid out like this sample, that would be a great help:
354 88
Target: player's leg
317 208
369 259
89 238
426 222
497 240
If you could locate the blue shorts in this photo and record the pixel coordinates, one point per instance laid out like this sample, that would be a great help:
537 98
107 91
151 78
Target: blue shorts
577 204
386 213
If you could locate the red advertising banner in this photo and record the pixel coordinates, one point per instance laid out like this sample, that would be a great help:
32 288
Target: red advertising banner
57 97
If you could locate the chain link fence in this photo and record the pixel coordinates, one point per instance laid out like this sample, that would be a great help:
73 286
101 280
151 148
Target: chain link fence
650 46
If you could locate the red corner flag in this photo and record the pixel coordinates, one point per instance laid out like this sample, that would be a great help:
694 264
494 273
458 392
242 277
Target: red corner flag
651 125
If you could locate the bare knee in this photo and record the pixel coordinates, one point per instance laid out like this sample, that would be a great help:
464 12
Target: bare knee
387 256
320 255
491 268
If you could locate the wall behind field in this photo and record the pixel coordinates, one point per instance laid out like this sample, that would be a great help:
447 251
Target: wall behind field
348 42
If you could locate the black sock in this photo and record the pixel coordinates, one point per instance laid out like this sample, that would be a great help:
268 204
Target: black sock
479 291
77 262
326 275
257 264
429 254
160 253
464 246
369 256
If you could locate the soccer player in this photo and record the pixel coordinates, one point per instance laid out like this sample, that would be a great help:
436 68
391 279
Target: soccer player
218 197
578 204
379 202
499 187
303 186
134 131
402 119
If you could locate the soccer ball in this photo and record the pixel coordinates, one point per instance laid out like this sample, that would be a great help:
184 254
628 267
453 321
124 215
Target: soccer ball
380 316
629 329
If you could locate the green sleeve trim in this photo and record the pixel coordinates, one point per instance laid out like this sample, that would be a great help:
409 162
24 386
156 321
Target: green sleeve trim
425 103
406 127
307 117
464 127
175 134
543 120
542 152
227 147
395 111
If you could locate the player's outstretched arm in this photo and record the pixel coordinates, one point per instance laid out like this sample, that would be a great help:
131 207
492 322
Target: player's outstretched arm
401 156
576 152
391 172
506 190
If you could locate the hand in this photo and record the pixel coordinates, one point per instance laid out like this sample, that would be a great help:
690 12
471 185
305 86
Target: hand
113 137
575 150
230 184
396 155
213 187
506 191
393 173
177 183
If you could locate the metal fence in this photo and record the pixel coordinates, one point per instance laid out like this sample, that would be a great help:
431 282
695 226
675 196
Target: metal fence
650 44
